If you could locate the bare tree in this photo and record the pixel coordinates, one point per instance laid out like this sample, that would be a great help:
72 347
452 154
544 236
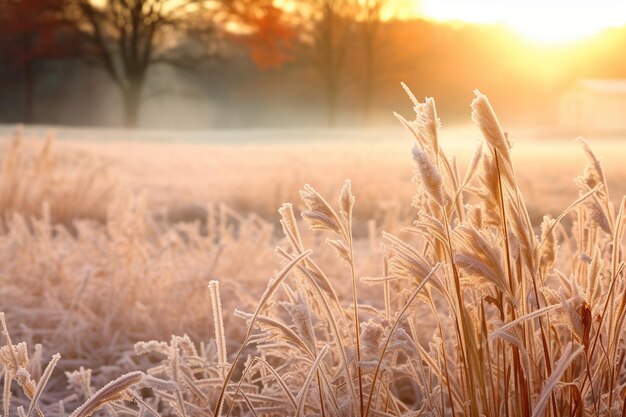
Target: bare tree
29 33
127 37
370 31
345 37
328 27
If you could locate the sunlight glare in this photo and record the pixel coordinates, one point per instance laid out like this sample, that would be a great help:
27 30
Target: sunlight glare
554 21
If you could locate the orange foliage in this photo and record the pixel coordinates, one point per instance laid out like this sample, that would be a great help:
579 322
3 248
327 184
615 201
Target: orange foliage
30 29
271 43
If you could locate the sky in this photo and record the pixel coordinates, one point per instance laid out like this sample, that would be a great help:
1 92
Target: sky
549 21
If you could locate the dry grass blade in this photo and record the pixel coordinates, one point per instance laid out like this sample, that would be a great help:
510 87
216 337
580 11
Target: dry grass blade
281 382
122 389
143 404
6 392
272 287
301 399
113 391
392 329
561 366
42 383
218 322
279 331
5 331
533 315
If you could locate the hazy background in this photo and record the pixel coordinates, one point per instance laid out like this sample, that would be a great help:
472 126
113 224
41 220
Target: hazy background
146 146
189 64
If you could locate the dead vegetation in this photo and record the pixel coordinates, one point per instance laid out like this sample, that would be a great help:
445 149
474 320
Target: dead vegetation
472 310
39 183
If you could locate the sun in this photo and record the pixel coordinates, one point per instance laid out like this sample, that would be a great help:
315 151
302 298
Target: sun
558 24
548 21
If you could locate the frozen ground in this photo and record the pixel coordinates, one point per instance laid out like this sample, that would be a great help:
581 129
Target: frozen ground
258 169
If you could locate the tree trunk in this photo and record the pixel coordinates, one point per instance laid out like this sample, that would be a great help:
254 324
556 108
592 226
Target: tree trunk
28 74
132 104
370 37
29 93
332 98
368 86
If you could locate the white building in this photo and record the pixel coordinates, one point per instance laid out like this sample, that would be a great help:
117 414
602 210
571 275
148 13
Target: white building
595 105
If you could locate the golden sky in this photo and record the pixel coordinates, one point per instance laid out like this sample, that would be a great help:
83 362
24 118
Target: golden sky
550 21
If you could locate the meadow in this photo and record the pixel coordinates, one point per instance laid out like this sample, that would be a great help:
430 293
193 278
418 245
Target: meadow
255 171
430 284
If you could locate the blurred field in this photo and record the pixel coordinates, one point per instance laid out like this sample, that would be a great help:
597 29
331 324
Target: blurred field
112 236
254 171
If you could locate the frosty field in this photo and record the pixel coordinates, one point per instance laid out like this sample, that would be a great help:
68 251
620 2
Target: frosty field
255 171
110 239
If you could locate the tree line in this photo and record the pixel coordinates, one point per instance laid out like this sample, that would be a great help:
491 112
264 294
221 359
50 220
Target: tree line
353 49
127 38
